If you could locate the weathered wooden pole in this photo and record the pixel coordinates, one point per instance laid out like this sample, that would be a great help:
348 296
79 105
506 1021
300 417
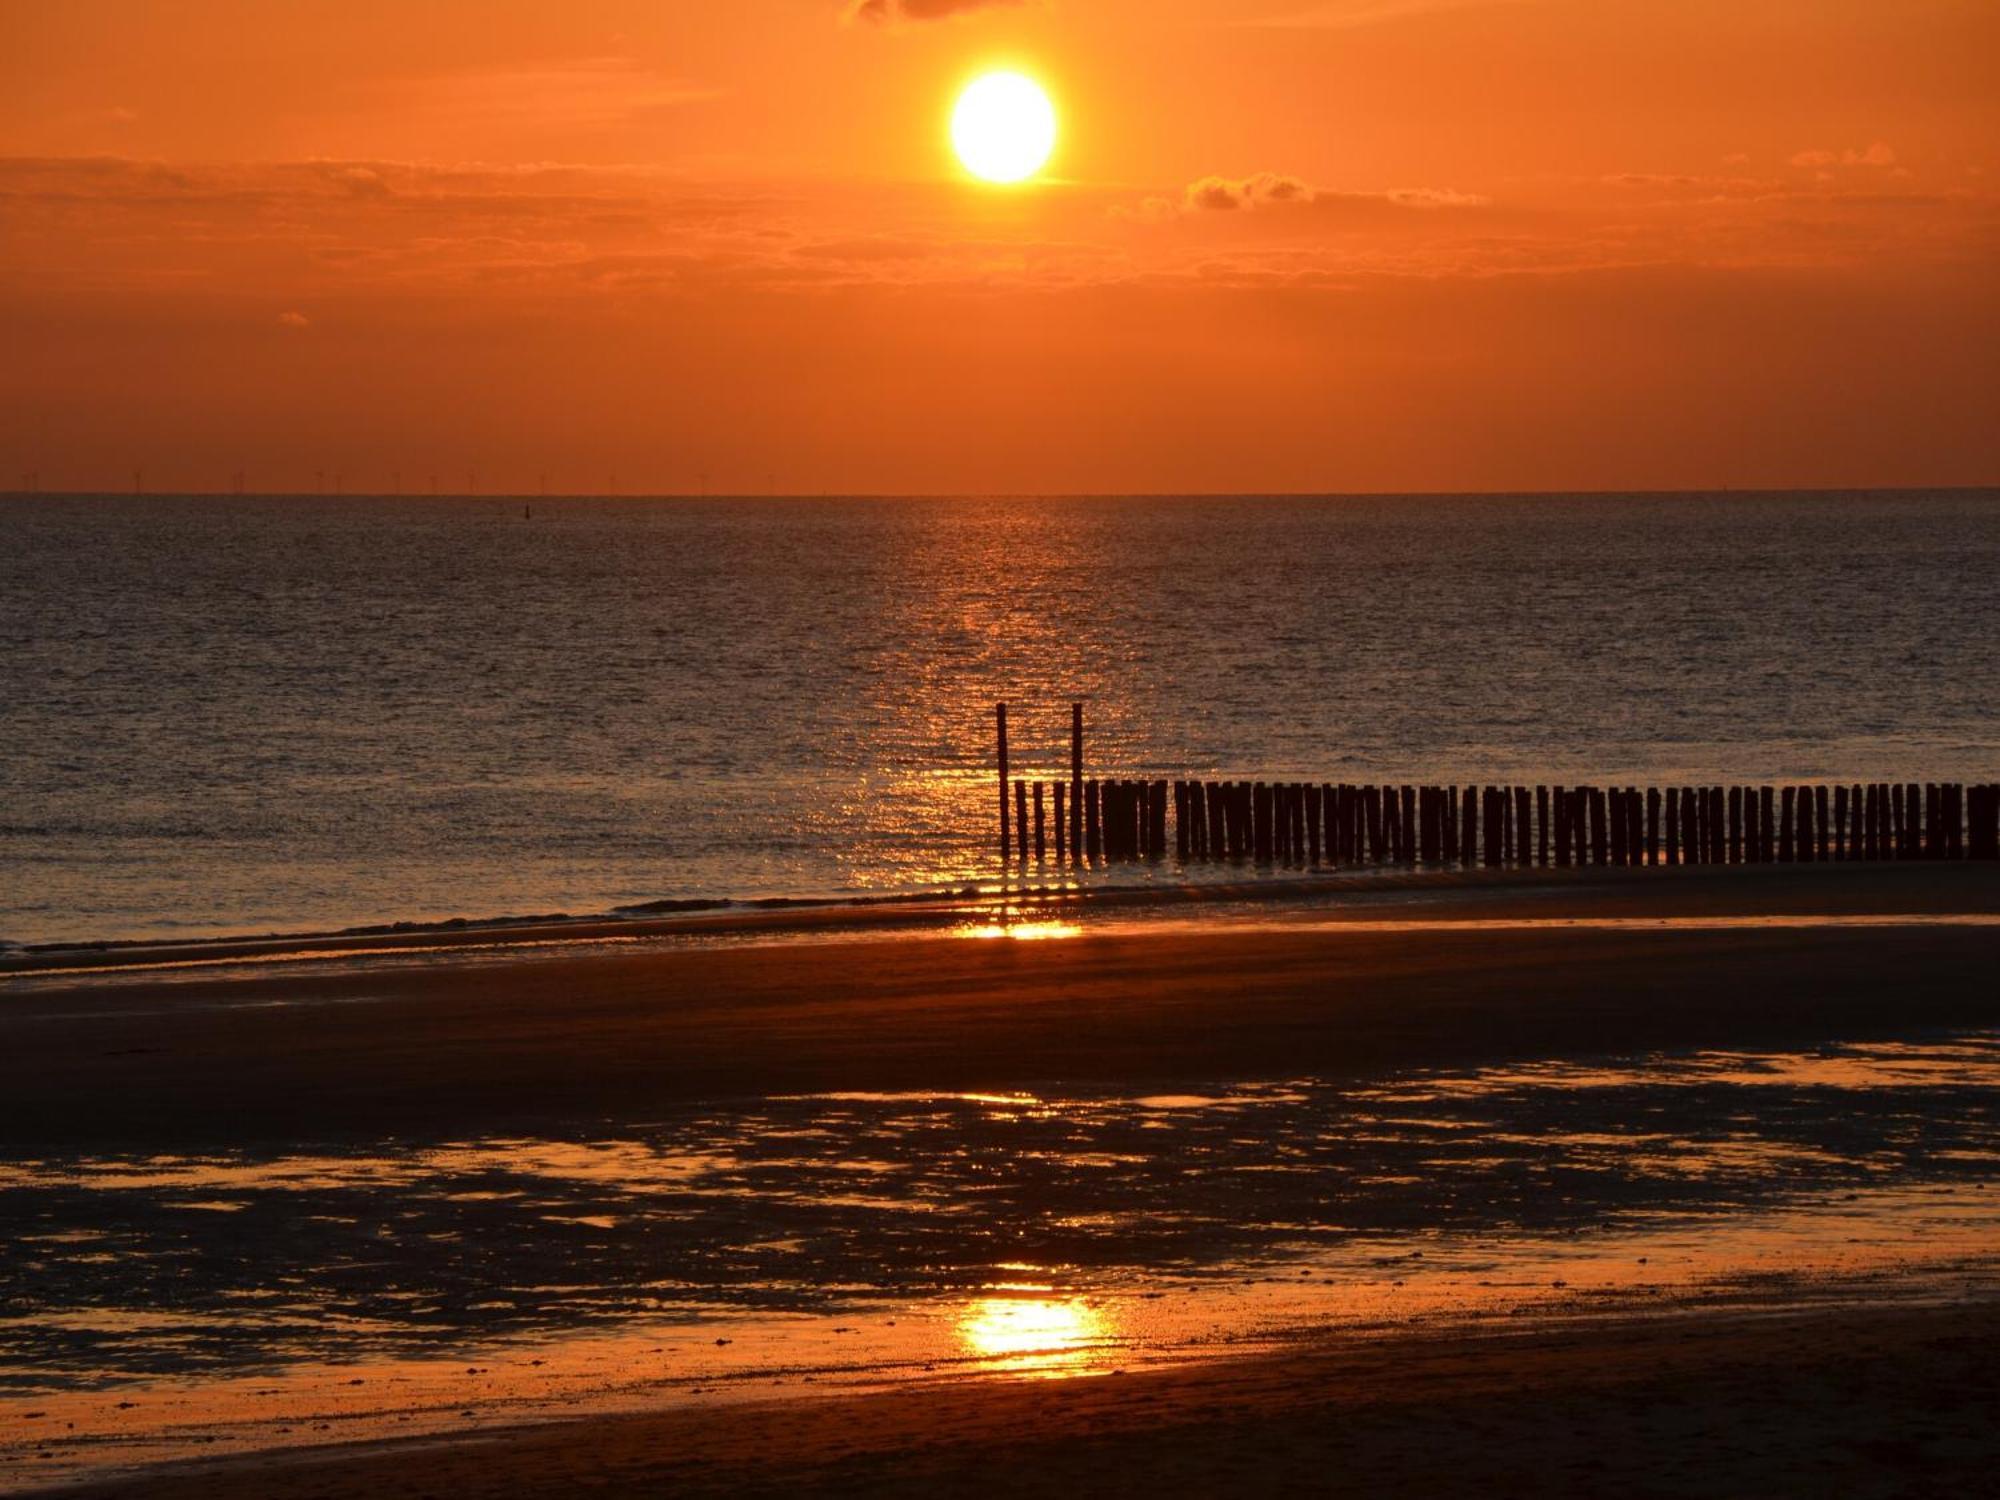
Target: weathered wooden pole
1076 778
1157 835
1021 818
1062 826
1000 728
1093 797
1041 826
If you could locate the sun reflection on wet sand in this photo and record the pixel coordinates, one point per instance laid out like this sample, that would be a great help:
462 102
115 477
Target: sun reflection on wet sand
1041 1336
1023 932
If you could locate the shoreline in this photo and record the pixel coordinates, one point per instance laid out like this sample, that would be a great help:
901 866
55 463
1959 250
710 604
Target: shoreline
454 1043
1914 888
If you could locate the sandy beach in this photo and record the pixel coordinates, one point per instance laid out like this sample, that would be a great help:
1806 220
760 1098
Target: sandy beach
1716 1402
519 1036
1858 1377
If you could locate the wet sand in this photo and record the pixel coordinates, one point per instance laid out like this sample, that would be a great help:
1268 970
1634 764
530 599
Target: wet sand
1698 1395
1682 1402
444 1046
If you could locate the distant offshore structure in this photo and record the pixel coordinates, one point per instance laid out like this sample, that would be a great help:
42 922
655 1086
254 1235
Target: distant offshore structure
1346 825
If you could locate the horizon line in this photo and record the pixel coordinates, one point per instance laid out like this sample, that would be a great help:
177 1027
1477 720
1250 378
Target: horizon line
530 497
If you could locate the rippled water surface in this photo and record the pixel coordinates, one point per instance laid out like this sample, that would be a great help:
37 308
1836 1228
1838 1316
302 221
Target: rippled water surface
280 714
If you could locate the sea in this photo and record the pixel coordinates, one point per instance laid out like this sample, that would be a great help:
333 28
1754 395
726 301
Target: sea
251 714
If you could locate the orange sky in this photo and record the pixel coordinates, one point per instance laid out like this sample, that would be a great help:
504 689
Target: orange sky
1285 244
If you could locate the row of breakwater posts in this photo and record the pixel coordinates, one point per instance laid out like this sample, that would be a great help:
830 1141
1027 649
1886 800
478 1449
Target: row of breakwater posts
1342 824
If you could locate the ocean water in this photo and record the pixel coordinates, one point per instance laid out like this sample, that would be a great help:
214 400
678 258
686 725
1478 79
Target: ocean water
255 714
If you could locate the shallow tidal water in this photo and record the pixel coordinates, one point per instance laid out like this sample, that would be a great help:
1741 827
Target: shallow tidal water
155 1306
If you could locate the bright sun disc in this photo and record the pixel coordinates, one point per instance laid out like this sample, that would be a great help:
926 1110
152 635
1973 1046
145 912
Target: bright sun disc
1003 127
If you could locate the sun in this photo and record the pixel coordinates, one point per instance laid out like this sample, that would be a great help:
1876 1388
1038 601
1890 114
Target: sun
1003 127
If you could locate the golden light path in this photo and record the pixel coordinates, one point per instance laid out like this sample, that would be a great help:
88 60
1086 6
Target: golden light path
1003 127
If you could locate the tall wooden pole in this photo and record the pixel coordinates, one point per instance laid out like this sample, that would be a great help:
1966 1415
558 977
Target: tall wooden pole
1076 778
1000 725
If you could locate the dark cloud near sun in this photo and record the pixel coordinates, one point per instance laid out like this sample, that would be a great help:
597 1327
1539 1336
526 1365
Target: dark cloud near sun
884 12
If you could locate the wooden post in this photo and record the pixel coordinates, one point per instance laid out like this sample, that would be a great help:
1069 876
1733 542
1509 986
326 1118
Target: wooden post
1542 826
1620 855
1736 825
1062 827
1260 820
1076 778
1468 826
1021 818
1218 821
1093 821
1599 831
1790 798
1000 728
1315 807
1157 839
1041 826
1840 842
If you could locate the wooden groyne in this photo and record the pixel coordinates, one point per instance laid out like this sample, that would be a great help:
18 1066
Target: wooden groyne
1335 825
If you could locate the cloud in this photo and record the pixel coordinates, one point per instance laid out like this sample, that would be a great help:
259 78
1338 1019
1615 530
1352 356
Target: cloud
294 320
1275 190
1247 192
1880 154
885 12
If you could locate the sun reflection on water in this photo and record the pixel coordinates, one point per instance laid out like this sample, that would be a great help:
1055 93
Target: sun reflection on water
1042 1336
